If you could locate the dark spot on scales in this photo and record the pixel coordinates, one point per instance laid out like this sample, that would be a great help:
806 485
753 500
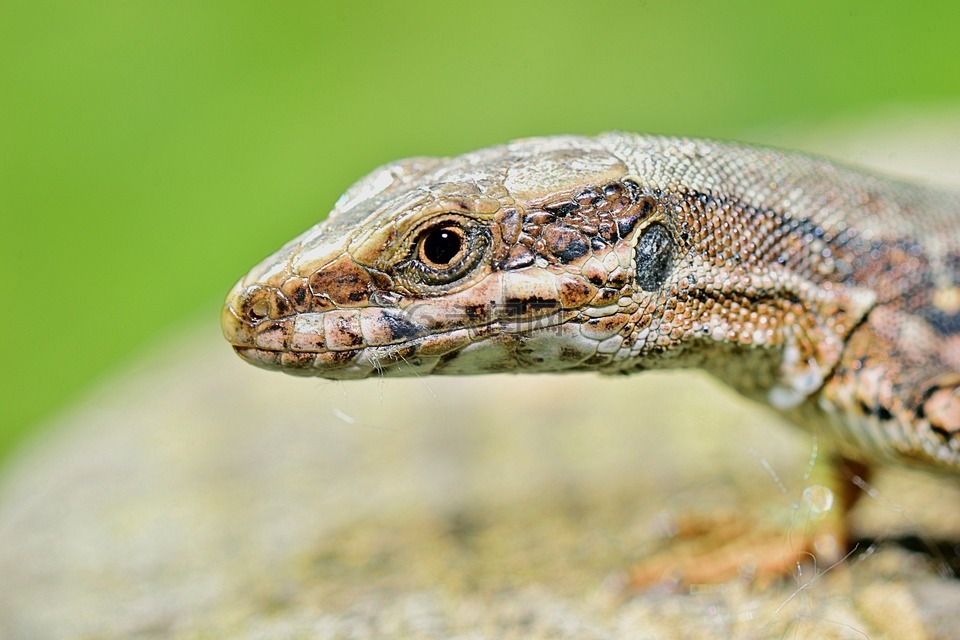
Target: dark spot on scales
612 191
566 243
883 413
562 209
654 257
596 280
349 332
575 249
356 288
588 197
475 312
297 293
281 305
400 328
946 324
523 306
626 223
944 434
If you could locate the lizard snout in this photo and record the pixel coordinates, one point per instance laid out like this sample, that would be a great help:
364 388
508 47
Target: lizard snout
320 324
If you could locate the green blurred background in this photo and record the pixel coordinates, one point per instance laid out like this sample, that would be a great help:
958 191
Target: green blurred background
152 151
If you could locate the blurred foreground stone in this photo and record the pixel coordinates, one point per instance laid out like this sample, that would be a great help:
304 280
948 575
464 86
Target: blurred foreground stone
197 497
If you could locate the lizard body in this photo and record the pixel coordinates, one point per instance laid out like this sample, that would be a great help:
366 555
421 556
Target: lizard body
830 294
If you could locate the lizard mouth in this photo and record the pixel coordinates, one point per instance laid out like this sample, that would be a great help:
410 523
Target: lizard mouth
490 346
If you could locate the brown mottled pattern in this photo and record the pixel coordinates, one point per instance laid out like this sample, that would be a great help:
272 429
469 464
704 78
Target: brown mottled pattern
831 294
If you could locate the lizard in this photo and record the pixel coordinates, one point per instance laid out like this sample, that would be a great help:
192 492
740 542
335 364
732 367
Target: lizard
828 293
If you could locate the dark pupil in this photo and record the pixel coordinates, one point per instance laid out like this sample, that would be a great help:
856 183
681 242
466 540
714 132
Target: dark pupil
441 246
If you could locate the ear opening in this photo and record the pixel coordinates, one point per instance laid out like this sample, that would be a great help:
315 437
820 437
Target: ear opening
653 256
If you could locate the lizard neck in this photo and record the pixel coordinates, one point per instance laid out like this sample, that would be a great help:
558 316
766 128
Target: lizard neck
747 297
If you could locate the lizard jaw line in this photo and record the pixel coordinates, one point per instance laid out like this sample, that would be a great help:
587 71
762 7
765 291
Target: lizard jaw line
412 357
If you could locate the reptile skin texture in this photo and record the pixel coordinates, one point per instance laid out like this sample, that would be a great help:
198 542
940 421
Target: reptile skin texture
830 294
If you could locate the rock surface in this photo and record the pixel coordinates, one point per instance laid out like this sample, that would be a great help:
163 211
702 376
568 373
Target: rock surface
197 497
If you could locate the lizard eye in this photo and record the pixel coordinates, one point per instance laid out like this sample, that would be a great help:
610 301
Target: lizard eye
445 251
441 246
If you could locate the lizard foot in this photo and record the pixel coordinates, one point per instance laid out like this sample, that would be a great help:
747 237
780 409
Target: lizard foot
706 551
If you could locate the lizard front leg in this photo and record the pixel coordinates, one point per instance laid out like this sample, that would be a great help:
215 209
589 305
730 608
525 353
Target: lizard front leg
893 397
709 550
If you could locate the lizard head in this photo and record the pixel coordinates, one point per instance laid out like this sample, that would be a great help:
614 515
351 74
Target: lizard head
522 257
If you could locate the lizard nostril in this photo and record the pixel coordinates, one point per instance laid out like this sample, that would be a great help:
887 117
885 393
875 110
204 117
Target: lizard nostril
259 310
259 303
